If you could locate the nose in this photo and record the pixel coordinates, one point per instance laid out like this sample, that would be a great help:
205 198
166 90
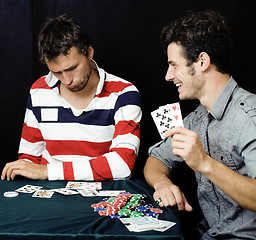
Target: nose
170 74
67 78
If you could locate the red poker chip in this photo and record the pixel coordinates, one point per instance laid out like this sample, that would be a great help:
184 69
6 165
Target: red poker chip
100 204
102 213
156 210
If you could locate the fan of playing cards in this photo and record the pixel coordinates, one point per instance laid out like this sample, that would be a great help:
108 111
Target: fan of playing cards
167 117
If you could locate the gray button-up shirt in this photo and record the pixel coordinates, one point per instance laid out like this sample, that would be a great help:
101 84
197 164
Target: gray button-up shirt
228 134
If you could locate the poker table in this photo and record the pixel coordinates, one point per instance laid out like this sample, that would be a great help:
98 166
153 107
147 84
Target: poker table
71 217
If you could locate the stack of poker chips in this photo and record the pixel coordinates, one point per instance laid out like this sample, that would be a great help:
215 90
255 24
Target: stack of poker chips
126 205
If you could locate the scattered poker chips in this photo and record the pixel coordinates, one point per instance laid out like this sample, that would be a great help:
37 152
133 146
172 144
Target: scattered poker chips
126 205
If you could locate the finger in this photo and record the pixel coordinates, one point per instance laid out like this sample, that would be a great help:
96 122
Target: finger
161 199
177 198
3 176
158 199
171 132
178 152
12 166
8 172
187 205
7 169
14 173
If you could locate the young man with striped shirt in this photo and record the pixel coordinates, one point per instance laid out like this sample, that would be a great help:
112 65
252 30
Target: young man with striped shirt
81 122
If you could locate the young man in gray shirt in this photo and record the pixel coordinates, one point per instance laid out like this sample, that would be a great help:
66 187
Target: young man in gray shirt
218 140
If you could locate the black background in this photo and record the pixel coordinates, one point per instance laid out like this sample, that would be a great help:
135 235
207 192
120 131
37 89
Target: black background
125 36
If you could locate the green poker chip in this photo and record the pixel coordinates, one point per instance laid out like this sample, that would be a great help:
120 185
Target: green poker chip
124 212
136 214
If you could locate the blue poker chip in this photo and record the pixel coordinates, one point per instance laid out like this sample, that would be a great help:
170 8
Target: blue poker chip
142 209
115 216
151 214
99 209
124 193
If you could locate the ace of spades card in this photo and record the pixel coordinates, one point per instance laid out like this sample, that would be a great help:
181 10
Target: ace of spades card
167 117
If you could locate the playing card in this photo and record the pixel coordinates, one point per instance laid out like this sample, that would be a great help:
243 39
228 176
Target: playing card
93 185
88 193
158 119
28 189
43 193
140 224
75 185
167 225
66 191
175 114
167 117
110 193
84 185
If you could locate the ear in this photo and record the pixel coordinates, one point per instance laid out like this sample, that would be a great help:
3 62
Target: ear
204 61
90 53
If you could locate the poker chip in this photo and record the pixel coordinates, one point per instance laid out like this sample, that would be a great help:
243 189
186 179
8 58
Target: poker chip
151 214
156 210
124 212
126 205
142 209
115 216
136 214
102 213
99 209
11 194
111 199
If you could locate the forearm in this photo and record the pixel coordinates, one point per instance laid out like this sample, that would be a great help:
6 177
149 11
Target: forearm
156 173
238 187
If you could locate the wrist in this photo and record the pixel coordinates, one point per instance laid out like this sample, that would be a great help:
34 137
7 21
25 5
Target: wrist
208 166
161 183
44 175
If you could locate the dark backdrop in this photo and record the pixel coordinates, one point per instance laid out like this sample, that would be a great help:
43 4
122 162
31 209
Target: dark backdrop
125 36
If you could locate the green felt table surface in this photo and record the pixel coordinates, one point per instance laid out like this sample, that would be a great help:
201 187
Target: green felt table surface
71 217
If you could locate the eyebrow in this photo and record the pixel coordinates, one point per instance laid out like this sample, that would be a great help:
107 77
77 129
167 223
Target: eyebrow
172 63
66 70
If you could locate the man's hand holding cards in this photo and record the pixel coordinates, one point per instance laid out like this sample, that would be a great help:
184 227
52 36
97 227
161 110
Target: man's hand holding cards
167 117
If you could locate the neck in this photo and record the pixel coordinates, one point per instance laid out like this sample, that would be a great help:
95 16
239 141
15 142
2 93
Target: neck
214 84
82 98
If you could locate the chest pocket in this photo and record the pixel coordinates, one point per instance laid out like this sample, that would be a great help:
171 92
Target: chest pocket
226 159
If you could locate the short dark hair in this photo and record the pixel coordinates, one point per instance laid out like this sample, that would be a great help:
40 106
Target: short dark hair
59 35
205 31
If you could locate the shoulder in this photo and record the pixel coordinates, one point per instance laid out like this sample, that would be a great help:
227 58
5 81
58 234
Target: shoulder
245 102
117 84
40 84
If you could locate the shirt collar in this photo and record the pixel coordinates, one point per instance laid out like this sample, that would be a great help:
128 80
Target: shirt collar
54 82
221 103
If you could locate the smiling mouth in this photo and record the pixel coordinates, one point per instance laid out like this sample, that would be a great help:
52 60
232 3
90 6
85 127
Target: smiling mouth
178 84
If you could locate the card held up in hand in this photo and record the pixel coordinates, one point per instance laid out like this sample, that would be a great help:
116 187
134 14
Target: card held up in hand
167 117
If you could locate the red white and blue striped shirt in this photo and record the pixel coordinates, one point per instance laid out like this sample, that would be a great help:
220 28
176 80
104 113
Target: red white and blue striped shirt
98 143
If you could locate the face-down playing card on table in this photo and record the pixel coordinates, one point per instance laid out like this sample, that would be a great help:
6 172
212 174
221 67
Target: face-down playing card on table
167 117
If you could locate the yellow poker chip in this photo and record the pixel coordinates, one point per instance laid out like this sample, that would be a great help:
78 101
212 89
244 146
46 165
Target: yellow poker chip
11 194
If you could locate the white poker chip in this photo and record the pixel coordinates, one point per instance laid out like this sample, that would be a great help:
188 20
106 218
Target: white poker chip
11 194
